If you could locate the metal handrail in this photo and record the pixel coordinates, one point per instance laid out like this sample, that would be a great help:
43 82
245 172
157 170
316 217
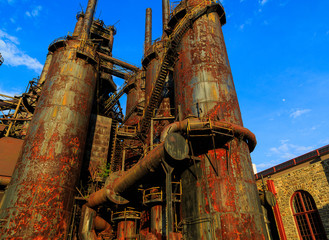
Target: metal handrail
157 111
58 40
127 129
126 214
147 194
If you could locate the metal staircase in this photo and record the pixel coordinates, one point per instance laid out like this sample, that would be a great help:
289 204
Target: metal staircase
114 98
168 61
115 147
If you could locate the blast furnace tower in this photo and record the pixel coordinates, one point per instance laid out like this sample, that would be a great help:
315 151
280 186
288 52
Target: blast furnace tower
176 166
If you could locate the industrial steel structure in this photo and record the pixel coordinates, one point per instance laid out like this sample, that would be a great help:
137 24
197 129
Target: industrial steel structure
176 166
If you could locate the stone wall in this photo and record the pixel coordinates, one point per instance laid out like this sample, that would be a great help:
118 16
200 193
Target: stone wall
97 145
313 177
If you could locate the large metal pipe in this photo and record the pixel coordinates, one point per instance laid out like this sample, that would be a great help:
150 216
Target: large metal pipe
148 29
194 123
118 62
88 18
4 181
165 14
220 194
174 147
39 200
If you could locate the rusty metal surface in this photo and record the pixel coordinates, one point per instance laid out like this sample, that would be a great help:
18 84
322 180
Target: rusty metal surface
223 205
88 19
150 164
156 220
45 69
126 230
118 62
152 70
78 25
135 101
39 200
9 153
165 14
219 197
4 181
148 29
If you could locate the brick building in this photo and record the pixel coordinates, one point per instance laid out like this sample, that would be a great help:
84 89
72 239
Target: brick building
301 188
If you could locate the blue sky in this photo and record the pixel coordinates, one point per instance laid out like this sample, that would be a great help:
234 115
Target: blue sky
278 51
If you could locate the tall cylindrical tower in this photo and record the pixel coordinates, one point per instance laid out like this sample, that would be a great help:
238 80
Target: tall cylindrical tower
39 199
220 198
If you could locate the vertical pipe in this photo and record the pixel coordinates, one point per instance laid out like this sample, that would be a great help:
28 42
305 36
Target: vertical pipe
148 29
78 25
276 210
88 18
156 221
112 33
165 14
169 207
39 200
152 134
45 69
126 230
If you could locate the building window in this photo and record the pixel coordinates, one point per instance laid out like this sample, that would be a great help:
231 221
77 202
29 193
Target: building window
307 217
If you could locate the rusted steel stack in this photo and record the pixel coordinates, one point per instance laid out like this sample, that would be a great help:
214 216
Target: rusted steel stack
180 161
219 201
39 201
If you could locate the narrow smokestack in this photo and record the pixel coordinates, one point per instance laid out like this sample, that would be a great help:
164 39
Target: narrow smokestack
88 19
79 25
148 29
165 13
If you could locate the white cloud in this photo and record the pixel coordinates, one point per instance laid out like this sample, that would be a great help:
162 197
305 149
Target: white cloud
12 92
262 2
18 29
13 56
247 22
12 20
262 166
288 151
299 112
34 12
4 35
